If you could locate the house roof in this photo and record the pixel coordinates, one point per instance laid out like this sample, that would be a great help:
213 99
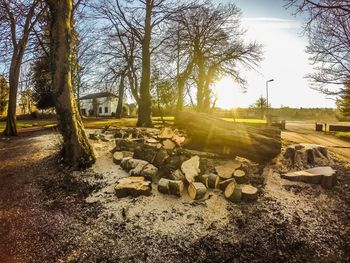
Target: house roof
98 95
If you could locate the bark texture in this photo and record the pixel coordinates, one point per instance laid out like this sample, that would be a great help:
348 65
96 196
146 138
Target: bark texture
209 133
145 109
76 148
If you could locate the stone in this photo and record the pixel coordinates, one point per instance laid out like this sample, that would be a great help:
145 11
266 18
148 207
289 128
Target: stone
190 168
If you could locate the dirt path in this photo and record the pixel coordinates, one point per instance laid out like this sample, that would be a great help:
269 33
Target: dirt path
51 214
300 132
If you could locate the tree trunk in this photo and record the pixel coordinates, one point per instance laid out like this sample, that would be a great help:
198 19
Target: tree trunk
201 79
119 111
15 67
76 148
208 133
145 109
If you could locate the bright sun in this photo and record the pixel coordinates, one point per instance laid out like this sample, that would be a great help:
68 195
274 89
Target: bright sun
226 91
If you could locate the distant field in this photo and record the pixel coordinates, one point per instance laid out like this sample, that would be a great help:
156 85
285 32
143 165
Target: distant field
101 122
245 120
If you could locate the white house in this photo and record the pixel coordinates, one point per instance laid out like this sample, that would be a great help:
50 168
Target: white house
99 104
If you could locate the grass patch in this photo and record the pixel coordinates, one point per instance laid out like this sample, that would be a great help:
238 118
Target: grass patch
244 120
345 135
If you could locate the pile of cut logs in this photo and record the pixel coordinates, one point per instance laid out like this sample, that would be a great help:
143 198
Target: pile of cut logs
161 160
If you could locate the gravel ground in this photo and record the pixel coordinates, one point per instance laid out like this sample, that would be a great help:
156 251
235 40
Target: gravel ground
51 214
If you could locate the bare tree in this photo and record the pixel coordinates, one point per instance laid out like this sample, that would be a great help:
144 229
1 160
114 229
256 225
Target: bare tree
76 148
328 29
143 20
213 38
17 21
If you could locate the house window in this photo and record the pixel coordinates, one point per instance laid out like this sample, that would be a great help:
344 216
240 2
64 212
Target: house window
106 109
100 110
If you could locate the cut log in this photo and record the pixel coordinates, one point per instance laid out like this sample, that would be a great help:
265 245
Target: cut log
177 175
133 163
213 181
168 144
124 162
318 175
149 172
163 186
226 169
166 133
225 183
176 187
190 168
233 192
118 157
249 193
134 186
203 178
240 176
209 133
196 190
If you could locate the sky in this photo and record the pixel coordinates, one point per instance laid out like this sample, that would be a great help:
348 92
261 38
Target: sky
285 60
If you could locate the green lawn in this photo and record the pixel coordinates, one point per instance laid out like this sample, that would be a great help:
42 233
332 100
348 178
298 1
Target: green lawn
30 123
102 122
345 135
245 120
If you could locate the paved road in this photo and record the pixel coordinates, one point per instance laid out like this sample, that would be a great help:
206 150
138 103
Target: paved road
303 132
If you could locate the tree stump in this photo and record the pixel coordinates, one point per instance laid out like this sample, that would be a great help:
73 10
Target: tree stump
196 190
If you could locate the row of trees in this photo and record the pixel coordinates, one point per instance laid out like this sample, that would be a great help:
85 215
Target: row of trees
152 48
328 30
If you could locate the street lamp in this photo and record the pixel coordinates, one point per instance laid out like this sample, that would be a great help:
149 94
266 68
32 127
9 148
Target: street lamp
267 96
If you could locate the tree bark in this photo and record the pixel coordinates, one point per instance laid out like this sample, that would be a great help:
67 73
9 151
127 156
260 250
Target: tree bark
208 133
145 109
119 111
10 129
201 79
76 148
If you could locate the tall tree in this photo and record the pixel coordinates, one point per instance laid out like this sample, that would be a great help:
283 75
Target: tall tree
143 19
213 37
4 92
76 148
328 28
17 20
